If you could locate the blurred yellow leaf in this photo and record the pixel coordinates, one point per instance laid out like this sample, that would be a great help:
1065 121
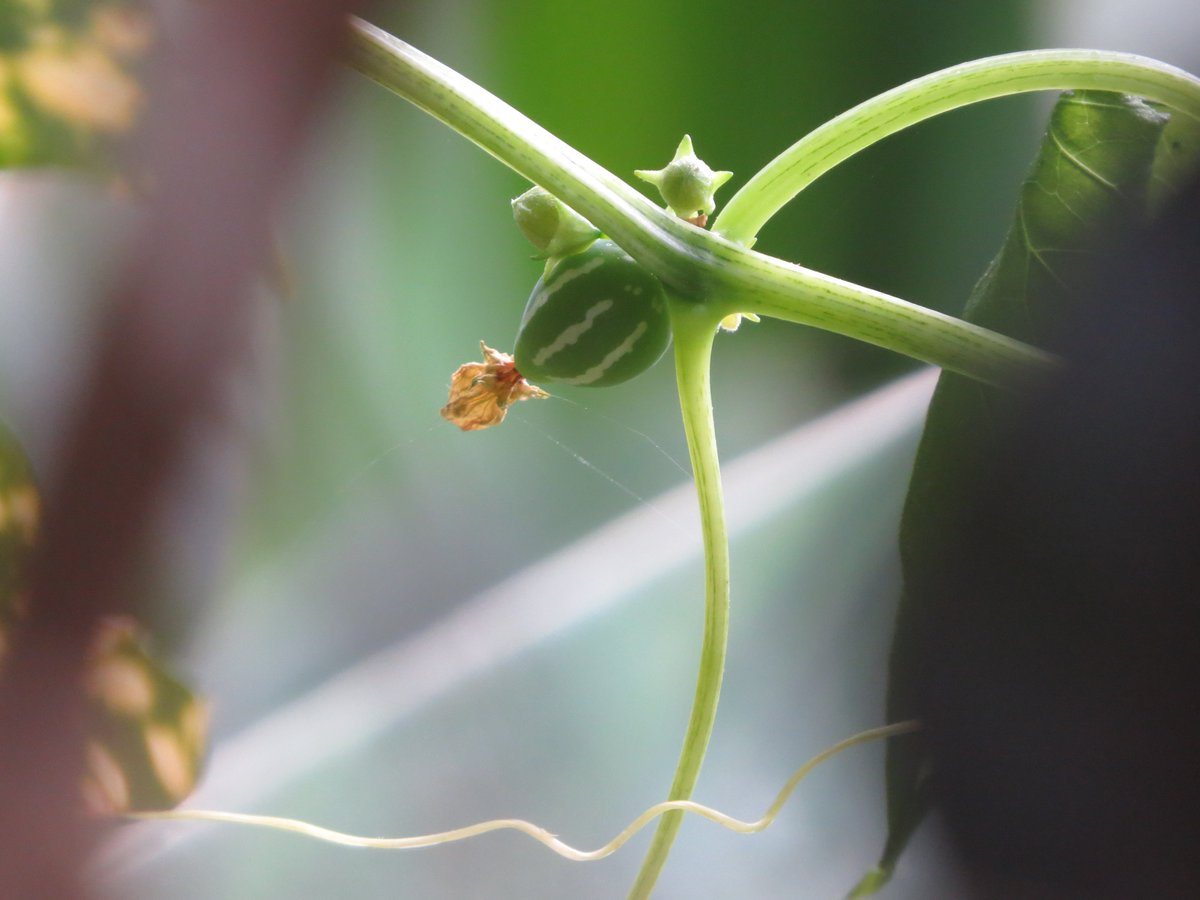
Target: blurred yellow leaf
68 85
19 513
147 736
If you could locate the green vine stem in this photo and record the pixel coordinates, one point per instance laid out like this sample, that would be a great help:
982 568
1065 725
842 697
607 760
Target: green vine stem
713 273
755 283
693 328
622 212
984 79
697 264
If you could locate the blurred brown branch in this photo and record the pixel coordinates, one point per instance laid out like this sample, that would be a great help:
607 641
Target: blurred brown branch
224 127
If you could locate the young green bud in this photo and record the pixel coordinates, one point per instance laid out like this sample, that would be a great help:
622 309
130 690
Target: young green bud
687 184
550 225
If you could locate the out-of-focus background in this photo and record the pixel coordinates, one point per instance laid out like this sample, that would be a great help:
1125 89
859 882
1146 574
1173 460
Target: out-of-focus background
403 628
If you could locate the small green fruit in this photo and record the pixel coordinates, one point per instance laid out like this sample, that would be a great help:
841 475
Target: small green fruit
596 318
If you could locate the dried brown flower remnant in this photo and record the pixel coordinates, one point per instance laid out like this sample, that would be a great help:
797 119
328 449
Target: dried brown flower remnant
481 393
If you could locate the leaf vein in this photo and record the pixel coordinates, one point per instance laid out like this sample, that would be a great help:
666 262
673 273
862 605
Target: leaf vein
1080 164
1035 252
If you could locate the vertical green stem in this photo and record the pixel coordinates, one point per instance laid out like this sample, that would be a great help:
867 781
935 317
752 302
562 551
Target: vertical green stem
694 326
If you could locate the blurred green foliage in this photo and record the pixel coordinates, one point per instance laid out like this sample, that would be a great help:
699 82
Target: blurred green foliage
362 517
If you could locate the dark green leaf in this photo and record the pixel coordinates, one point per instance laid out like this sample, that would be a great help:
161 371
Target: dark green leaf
1176 161
1089 182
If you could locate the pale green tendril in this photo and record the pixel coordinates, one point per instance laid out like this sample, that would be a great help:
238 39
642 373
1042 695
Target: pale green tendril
539 834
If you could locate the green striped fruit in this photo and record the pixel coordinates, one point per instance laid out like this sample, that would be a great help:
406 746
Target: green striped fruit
597 318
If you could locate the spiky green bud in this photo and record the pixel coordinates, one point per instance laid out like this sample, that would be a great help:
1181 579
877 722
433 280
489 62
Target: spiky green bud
687 184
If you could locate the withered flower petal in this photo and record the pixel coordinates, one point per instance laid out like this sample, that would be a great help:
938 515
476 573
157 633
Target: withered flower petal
481 393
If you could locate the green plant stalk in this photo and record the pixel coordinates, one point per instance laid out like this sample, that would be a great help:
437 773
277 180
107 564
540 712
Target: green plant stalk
712 275
693 328
984 79
694 263
622 212
767 286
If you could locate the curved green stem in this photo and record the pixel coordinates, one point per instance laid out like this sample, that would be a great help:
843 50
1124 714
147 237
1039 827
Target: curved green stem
696 264
629 218
693 328
984 79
